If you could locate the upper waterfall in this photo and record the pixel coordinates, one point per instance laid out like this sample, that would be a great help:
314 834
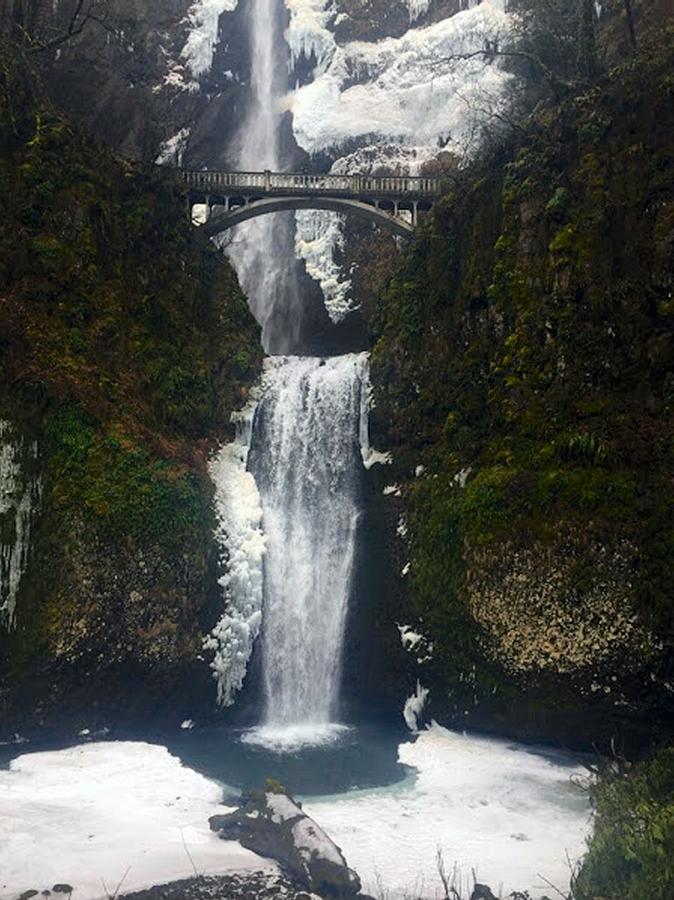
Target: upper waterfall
306 459
263 251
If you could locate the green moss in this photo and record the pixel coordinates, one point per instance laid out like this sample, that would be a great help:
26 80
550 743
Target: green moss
122 489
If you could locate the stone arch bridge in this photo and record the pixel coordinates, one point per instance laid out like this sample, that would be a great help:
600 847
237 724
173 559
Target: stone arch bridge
393 202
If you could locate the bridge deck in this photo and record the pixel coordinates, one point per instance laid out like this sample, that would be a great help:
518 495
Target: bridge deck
282 183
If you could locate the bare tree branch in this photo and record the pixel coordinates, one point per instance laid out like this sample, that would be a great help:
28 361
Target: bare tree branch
489 52
85 12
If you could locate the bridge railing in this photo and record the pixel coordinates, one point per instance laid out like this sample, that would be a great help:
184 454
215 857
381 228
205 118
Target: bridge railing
270 182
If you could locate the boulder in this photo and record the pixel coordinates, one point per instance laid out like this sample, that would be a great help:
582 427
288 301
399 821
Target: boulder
482 892
272 824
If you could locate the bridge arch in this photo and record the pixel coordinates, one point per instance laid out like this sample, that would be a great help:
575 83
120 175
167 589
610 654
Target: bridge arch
222 219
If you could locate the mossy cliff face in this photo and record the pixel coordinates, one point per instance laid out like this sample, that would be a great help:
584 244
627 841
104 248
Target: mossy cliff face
631 854
125 344
524 359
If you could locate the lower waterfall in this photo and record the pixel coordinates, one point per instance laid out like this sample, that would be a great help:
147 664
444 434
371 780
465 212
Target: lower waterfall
306 458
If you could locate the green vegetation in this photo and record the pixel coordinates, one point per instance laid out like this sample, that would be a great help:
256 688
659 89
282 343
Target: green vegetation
631 853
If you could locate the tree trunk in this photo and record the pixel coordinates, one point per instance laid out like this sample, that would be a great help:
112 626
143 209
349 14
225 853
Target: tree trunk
629 15
587 43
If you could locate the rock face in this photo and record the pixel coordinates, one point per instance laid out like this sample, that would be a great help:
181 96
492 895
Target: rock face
253 886
272 824
125 344
523 371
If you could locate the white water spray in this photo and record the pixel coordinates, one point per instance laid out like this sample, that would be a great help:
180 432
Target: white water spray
306 459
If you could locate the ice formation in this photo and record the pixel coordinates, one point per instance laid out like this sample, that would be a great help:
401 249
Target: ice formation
370 456
402 99
20 494
239 533
410 91
414 707
203 20
93 810
98 810
308 34
317 236
506 811
171 151
417 8
399 100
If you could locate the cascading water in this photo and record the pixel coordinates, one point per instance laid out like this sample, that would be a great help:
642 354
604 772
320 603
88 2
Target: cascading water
294 581
263 251
306 459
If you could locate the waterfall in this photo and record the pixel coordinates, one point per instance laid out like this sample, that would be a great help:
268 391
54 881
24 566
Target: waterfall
263 251
288 502
306 459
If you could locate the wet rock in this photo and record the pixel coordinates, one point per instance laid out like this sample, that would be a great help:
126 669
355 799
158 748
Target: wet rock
482 892
248 886
272 824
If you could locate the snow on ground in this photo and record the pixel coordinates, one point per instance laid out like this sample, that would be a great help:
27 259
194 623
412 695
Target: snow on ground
509 813
87 813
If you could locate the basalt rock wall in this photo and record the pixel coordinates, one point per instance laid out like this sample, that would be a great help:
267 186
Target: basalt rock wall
523 372
125 344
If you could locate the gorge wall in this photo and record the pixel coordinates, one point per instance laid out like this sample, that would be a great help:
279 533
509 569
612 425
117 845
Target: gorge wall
523 371
125 345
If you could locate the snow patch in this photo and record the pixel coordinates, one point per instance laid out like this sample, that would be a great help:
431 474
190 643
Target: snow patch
172 151
95 810
409 638
416 643
461 478
312 841
282 808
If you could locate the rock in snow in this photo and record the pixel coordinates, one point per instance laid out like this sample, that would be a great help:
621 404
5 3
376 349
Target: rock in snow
272 824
